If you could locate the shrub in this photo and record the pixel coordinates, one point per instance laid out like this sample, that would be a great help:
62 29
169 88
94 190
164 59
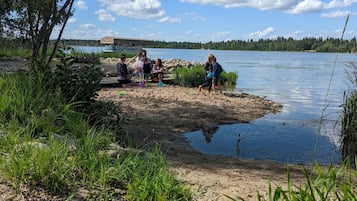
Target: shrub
193 77
189 77
77 83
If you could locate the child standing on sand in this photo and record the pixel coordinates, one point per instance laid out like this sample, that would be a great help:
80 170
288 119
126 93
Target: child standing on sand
146 69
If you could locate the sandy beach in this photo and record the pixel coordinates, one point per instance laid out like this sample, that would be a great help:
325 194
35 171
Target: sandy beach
160 115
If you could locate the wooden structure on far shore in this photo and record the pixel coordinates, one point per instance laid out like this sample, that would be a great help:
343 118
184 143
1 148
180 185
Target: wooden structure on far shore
109 40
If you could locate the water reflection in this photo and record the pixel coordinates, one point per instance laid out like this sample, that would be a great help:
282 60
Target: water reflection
208 133
280 141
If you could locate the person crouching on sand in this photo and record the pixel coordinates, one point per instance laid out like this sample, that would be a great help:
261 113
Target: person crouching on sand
158 71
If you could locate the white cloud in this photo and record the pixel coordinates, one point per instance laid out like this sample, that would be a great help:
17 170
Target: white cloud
261 34
307 6
288 6
82 5
259 4
88 26
337 13
72 20
104 15
142 9
170 20
339 3
90 34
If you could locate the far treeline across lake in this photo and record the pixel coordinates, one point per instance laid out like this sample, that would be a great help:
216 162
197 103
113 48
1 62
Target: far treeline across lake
279 44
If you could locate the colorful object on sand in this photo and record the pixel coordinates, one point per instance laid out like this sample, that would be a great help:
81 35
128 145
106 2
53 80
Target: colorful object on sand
141 84
160 84
121 94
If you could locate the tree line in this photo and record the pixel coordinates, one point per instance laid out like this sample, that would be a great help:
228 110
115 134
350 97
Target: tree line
312 44
279 44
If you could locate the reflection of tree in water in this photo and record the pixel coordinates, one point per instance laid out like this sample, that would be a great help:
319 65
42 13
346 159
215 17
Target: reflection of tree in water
208 133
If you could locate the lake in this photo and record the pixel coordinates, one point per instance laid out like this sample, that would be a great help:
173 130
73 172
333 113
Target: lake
310 86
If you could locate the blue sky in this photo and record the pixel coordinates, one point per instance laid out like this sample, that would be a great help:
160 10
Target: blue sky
211 20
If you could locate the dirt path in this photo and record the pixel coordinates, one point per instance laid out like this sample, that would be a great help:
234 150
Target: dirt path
161 115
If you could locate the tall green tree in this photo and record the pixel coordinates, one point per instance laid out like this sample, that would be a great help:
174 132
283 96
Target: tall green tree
35 20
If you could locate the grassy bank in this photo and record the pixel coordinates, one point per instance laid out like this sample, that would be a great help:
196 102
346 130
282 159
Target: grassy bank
49 142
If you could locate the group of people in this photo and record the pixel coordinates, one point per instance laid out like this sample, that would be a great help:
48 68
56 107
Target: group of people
143 67
146 69
212 76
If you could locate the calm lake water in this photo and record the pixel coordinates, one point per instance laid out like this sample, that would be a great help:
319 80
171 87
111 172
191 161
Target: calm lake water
310 87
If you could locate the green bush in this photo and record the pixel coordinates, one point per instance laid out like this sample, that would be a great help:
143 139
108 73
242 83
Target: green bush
77 83
189 77
193 77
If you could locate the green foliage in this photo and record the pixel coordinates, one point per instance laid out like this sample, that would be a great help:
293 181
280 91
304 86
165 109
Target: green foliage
42 17
34 163
193 77
337 183
24 95
189 77
318 44
46 142
349 118
14 52
229 78
152 179
100 114
95 56
77 83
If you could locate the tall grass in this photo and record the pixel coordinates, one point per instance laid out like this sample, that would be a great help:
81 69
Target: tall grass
335 183
78 53
349 118
12 52
44 142
193 77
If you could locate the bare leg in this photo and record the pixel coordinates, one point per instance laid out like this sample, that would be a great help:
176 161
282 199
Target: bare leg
213 86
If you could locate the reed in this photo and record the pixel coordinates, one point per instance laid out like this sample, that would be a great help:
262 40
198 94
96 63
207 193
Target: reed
349 118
